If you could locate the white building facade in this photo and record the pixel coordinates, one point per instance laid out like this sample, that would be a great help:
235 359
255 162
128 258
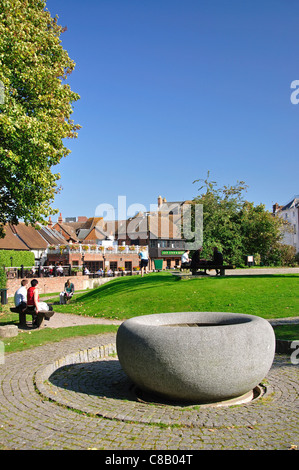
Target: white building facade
290 213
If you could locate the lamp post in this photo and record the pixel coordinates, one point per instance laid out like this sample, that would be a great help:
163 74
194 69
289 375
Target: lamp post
83 267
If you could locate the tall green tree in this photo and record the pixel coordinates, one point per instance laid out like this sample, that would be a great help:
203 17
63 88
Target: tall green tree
221 208
35 114
236 226
261 232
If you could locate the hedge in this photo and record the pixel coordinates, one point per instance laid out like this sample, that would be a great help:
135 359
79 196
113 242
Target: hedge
3 278
25 258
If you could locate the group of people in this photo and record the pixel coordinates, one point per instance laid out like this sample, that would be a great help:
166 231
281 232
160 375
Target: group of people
195 262
27 298
56 270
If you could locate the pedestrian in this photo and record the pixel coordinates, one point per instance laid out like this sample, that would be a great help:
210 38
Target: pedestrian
143 261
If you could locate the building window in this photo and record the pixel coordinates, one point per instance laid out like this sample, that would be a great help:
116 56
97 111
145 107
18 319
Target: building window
94 266
128 265
113 265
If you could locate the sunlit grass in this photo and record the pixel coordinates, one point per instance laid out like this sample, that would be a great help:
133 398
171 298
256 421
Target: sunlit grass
269 296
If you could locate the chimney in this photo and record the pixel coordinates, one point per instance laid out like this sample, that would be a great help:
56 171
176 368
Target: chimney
159 201
275 208
60 219
50 223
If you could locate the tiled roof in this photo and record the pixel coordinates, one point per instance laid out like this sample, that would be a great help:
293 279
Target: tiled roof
11 241
52 236
30 236
67 228
91 222
23 237
293 203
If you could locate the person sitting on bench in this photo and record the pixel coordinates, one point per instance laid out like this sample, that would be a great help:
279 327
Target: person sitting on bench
196 261
21 296
33 302
68 292
217 259
185 260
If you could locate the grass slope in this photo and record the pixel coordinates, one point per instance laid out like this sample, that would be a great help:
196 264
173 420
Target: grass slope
35 338
269 296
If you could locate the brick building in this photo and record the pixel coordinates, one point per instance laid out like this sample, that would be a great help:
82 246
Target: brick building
108 245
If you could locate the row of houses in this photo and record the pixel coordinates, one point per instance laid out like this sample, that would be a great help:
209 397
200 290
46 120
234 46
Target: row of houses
116 244
99 244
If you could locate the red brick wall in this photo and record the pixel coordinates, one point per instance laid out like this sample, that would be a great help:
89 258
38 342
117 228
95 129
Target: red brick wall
49 284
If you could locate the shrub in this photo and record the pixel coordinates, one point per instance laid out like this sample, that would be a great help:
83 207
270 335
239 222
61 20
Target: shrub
288 255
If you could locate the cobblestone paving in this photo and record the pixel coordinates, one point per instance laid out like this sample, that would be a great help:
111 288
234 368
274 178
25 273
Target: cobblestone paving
51 401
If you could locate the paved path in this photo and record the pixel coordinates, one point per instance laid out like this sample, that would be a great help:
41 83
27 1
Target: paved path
60 320
261 271
73 395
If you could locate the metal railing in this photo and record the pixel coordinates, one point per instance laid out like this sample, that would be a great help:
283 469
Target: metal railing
23 272
60 271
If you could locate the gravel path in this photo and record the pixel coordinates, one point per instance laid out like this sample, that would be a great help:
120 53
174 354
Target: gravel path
60 320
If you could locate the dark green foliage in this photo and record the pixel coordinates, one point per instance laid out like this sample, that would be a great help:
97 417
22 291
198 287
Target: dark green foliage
237 227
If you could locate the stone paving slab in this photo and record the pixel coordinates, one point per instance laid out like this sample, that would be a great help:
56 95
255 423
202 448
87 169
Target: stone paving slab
53 397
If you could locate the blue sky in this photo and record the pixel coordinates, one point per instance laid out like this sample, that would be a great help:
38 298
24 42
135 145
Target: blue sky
173 89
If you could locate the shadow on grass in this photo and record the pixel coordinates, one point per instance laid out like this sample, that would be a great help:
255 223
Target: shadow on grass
127 284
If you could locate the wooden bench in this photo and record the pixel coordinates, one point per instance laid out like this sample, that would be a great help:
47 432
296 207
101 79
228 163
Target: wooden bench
220 267
41 316
202 270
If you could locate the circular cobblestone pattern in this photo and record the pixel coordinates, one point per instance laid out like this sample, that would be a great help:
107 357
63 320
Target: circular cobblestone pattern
74 395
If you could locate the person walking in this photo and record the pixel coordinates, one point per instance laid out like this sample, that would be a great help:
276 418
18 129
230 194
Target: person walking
143 262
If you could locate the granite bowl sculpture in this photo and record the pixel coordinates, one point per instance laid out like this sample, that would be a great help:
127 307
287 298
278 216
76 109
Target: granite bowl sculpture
196 356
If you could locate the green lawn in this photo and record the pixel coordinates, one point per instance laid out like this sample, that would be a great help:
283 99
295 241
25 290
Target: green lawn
34 338
287 332
269 296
